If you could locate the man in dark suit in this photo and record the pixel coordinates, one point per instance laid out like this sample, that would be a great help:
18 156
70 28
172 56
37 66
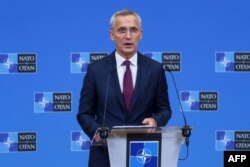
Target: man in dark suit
137 88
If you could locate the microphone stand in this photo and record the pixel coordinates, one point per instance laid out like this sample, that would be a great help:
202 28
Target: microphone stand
186 129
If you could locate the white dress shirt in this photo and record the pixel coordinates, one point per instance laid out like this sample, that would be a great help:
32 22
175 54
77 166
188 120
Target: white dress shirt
122 68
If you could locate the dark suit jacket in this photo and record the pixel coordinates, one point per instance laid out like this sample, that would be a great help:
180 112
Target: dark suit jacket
150 99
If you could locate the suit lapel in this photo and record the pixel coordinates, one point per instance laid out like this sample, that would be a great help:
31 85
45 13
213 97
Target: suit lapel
140 78
114 81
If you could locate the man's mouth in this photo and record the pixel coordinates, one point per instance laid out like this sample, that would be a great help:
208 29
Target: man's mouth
127 44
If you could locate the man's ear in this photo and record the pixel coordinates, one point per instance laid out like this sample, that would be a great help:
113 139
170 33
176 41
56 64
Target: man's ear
141 34
111 35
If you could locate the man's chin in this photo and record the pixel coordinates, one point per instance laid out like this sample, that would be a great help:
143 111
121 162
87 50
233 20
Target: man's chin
129 50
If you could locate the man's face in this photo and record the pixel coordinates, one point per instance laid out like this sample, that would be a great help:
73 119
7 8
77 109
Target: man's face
126 33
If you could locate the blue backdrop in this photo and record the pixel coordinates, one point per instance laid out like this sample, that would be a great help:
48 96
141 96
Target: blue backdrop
205 33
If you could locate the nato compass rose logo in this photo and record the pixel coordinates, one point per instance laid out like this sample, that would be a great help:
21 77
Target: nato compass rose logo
43 102
79 62
225 140
143 156
8 63
190 101
79 141
224 62
8 143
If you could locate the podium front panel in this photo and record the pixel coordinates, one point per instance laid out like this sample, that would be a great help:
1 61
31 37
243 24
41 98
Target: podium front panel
129 147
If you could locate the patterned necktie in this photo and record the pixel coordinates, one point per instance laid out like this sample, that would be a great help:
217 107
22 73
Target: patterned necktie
127 86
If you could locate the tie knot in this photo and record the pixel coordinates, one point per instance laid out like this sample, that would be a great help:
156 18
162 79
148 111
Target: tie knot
126 63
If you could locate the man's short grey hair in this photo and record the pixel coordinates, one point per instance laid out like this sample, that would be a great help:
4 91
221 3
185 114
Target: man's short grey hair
124 12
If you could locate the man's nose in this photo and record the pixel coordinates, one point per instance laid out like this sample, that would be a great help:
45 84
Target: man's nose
128 34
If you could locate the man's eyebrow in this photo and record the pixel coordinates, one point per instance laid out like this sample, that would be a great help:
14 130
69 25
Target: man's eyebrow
123 27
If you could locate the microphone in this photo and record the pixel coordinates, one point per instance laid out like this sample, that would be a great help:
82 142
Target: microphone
104 131
186 129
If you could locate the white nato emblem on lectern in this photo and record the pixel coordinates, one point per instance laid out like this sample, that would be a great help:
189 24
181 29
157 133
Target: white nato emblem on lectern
144 156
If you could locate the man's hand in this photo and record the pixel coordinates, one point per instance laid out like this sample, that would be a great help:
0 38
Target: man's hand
97 138
150 122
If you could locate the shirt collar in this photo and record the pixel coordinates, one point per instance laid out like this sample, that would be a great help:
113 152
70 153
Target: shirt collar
120 59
